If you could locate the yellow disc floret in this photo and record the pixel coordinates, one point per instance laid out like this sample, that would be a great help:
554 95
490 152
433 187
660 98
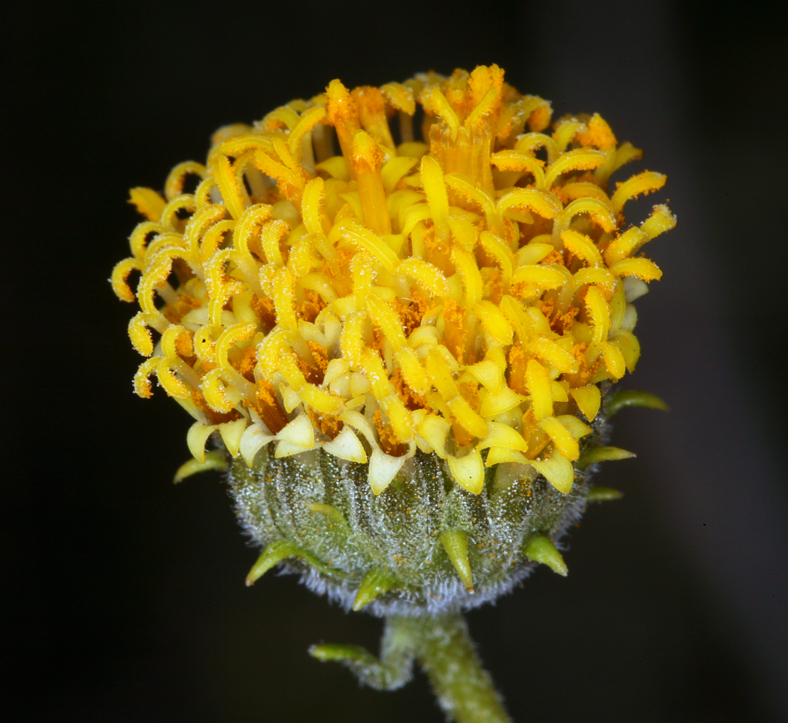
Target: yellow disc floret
465 296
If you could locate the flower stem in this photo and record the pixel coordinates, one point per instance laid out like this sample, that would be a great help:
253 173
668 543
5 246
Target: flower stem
464 689
444 649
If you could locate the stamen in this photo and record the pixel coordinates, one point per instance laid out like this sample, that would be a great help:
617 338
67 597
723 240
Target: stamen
343 115
366 161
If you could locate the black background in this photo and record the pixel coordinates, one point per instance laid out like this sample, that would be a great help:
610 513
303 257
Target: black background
125 593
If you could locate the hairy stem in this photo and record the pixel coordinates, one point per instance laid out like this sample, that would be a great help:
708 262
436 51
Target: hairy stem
464 689
444 649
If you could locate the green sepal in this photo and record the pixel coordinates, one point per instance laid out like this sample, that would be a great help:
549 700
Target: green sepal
592 455
213 460
275 553
603 494
633 398
455 542
376 582
541 549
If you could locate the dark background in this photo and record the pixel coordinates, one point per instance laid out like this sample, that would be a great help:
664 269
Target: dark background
124 594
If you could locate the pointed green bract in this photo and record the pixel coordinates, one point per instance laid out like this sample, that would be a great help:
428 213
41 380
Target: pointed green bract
541 549
274 554
603 494
602 454
376 582
213 460
633 398
455 542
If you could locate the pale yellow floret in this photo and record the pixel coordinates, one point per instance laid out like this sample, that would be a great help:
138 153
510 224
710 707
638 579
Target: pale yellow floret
644 269
426 275
310 118
494 322
139 333
496 403
542 203
471 278
599 312
504 436
565 131
459 295
313 207
554 354
120 274
580 159
367 161
171 384
564 442
542 277
614 360
215 392
519 164
539 387
233 193
434 188
291 182
582 246
597 209
496 248
147 202
589 400
468 471
645 182
529 143
436 103
142 385
367 240
464 187
170 216
558 471
174 185
661 220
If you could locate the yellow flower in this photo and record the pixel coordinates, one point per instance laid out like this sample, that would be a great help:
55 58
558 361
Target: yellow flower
465 295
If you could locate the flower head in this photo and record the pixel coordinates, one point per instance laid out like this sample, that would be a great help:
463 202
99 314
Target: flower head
462 292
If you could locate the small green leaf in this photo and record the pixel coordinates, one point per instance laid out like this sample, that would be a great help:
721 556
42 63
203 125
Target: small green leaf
341 653
213 460
633 398
541 549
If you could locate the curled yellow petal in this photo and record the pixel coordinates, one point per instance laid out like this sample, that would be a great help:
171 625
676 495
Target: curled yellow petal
141 338
463 290
215 394
435 188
